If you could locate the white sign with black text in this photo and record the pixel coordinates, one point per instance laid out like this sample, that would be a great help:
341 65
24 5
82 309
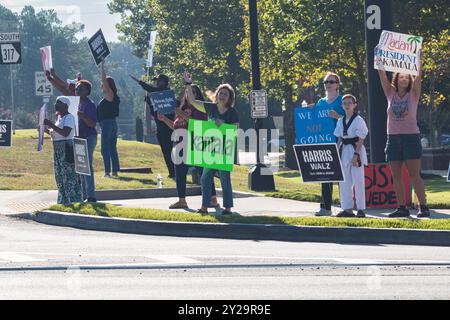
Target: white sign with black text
258 104
43 87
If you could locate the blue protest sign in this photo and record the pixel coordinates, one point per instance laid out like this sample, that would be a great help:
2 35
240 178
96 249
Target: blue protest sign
313 126
163 102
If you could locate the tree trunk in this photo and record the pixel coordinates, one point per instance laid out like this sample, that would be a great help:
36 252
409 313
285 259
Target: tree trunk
289 130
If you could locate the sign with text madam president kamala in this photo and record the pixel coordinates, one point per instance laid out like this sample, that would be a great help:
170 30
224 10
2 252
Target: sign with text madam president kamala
210 146
398 52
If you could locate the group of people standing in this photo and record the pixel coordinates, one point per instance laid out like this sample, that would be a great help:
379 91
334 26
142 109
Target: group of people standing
403 147
71 186
192 105
403 143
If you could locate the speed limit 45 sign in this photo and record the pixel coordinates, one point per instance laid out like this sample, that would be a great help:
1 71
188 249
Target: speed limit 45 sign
10 51
43 87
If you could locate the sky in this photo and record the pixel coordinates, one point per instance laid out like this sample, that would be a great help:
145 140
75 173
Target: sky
94 14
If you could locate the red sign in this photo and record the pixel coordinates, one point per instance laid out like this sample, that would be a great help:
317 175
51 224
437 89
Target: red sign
379 183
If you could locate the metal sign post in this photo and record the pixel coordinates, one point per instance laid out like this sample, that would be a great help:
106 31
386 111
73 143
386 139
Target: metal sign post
10 53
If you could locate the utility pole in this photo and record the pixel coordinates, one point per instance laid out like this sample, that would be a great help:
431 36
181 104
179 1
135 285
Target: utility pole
258 179
378 17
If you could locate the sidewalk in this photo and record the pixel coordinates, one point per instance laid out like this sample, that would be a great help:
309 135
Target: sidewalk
246 204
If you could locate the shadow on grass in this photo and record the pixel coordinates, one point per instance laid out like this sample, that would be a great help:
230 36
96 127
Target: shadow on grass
288 174
141 180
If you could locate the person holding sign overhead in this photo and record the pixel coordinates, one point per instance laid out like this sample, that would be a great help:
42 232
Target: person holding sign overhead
351 130
221 111
107 112
403 145
62 133
87 119
332 101
183 113
163 132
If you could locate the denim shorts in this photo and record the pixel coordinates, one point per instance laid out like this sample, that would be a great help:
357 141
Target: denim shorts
400 147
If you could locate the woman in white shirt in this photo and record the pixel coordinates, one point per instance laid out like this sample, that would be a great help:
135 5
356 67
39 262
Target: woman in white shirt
62 133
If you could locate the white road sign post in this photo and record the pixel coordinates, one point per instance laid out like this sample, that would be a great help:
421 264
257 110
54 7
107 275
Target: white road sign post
10 53
43 87
258 104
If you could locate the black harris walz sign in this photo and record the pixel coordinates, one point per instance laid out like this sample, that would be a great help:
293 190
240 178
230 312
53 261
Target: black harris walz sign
319 162
98 46
5 133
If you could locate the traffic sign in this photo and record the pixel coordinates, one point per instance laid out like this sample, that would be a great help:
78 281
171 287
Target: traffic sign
258 104
43 87
10 50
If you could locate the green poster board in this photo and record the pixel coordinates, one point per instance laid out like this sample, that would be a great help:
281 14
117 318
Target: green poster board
210 146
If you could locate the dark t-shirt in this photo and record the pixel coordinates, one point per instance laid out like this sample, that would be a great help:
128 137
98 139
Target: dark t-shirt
230 116
107 110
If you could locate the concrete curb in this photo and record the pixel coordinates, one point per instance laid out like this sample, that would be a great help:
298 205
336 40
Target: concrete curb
244 231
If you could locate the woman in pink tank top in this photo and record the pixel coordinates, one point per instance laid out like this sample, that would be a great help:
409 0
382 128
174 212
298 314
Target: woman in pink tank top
403 145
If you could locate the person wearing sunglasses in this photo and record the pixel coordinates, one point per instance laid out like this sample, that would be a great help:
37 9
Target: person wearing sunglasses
333 102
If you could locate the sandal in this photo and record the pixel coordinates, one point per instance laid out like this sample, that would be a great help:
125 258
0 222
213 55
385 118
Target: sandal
178 205
202 212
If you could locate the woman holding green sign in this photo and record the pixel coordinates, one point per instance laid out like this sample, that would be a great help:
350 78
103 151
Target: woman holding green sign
183 113
220 111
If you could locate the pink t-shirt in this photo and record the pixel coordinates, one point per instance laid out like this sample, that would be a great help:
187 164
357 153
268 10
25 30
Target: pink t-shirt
402 113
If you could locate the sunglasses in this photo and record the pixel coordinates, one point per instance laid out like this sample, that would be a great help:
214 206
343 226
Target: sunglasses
330 82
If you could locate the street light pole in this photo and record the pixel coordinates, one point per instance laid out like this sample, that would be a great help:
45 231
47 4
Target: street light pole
257 179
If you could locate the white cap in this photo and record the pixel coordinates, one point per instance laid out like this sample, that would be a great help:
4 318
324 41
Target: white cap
64 100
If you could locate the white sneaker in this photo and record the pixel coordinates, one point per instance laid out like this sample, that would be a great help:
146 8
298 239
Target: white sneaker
323 213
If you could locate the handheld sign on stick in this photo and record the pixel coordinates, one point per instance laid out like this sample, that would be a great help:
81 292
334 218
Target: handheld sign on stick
99 47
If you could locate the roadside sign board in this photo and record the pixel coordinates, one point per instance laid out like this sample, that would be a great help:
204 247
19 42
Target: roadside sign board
10 50
258 104
99 47
43 87
5 133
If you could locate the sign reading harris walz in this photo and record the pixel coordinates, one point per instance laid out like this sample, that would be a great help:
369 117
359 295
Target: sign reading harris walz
319 162
398 52
313 126
98 46
210 146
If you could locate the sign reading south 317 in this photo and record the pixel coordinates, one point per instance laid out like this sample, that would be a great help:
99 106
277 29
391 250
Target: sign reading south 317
10 51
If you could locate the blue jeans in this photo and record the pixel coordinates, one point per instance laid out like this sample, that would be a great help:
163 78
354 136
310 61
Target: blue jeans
88 184
109 145
181 171
207 183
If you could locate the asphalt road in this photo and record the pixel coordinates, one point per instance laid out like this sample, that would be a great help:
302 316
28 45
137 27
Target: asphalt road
44 262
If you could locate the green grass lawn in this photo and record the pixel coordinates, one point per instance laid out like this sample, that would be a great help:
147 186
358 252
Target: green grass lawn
22 167
108 210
